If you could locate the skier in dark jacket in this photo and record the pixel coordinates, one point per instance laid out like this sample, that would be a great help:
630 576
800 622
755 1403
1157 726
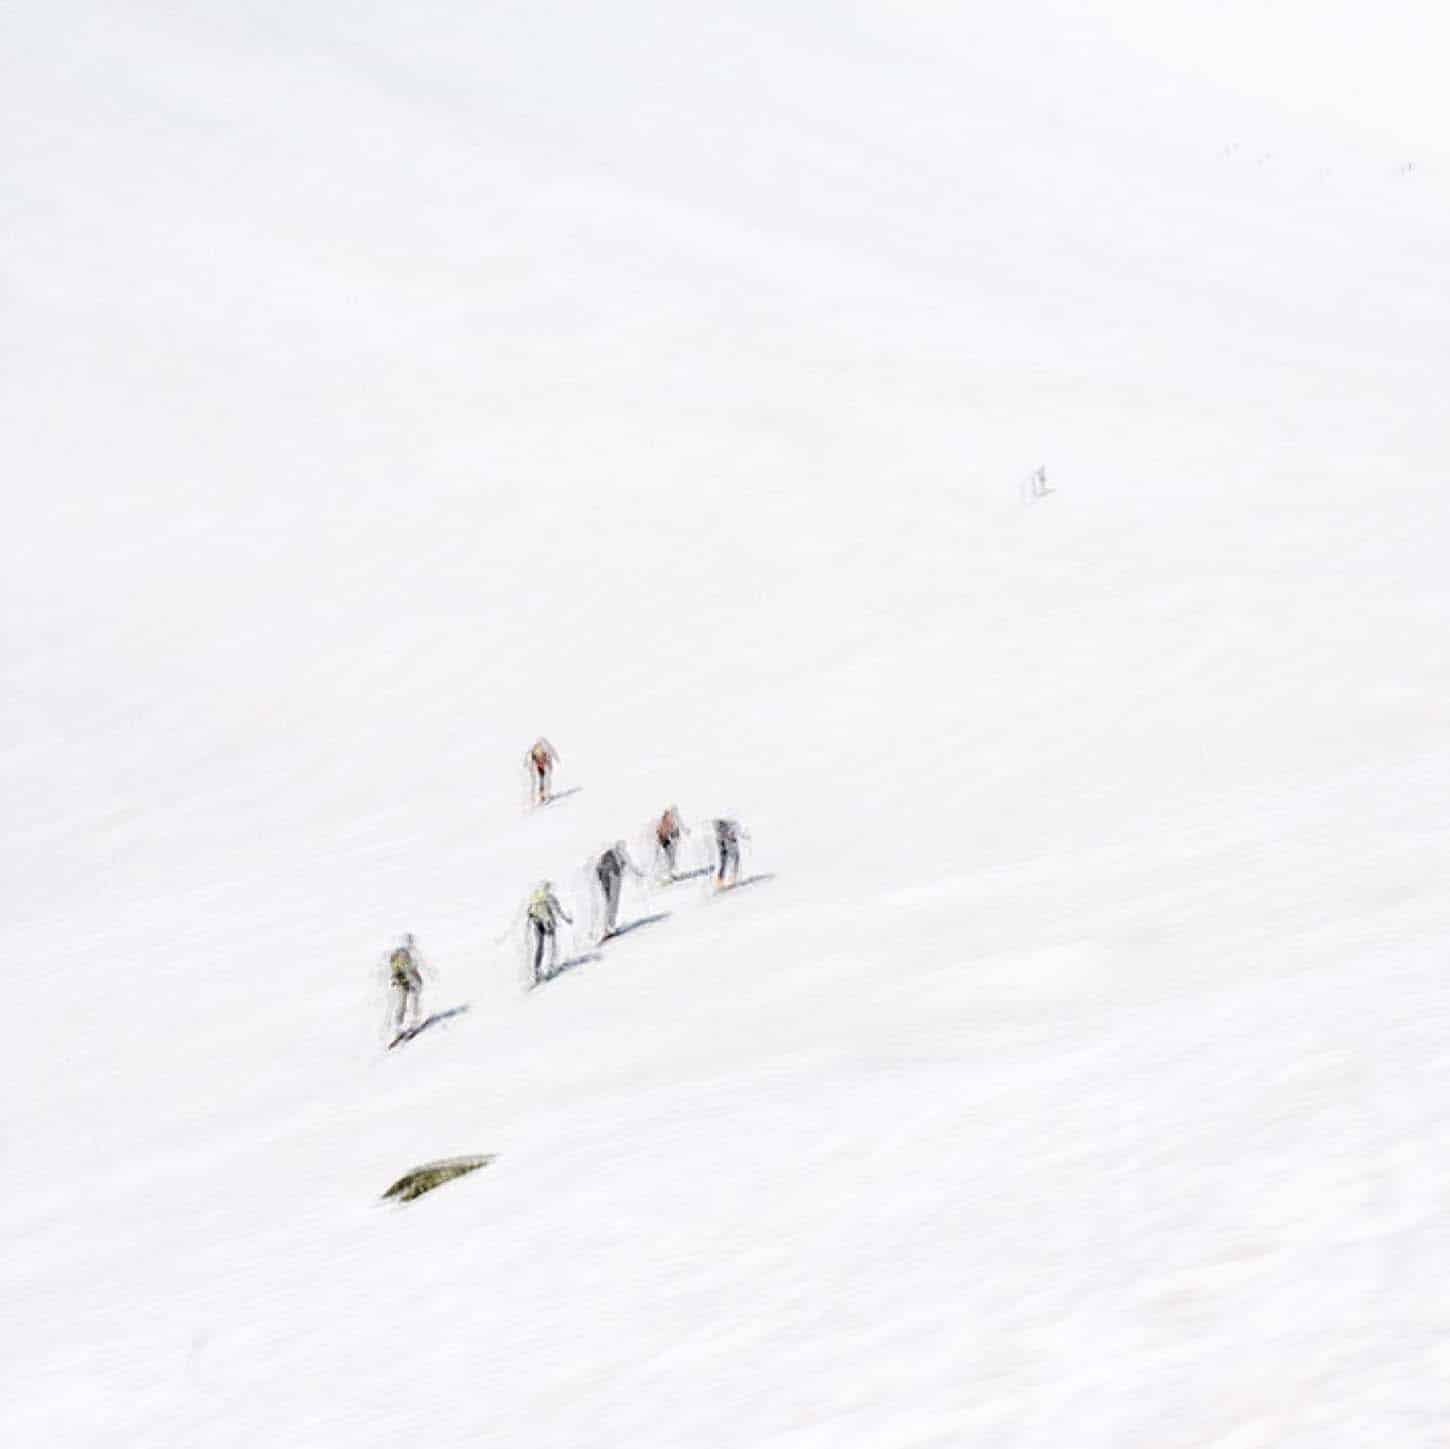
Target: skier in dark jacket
609 871
728 835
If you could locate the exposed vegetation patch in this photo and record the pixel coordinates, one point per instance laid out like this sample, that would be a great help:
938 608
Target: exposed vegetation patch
430 1175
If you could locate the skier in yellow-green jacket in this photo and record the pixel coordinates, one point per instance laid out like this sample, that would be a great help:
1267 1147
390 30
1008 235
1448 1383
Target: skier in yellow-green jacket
406 979
544 912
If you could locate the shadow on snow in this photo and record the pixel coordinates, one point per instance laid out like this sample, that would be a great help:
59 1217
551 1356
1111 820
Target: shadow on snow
571 964
749 880
554 799
427 1021
619 931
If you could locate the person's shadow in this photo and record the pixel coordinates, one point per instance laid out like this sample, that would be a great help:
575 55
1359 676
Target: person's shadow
619 931
572 964
749 880
427 1021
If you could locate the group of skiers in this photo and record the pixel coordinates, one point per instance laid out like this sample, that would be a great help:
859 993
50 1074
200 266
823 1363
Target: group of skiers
544 911
608 869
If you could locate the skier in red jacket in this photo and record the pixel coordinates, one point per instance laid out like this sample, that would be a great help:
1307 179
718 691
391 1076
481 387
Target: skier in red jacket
540 762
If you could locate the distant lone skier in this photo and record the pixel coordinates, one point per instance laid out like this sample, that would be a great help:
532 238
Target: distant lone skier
728 835
540 762
609 871
407 982
544 911
668 830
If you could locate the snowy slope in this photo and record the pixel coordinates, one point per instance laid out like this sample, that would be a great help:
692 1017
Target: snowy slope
385 390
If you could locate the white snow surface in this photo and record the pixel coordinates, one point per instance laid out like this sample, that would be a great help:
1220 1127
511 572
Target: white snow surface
387 386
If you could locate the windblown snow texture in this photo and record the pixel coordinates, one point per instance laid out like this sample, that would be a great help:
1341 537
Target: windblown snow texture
398 384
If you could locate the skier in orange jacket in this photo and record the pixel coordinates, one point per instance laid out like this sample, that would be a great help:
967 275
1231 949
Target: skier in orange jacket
668 829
